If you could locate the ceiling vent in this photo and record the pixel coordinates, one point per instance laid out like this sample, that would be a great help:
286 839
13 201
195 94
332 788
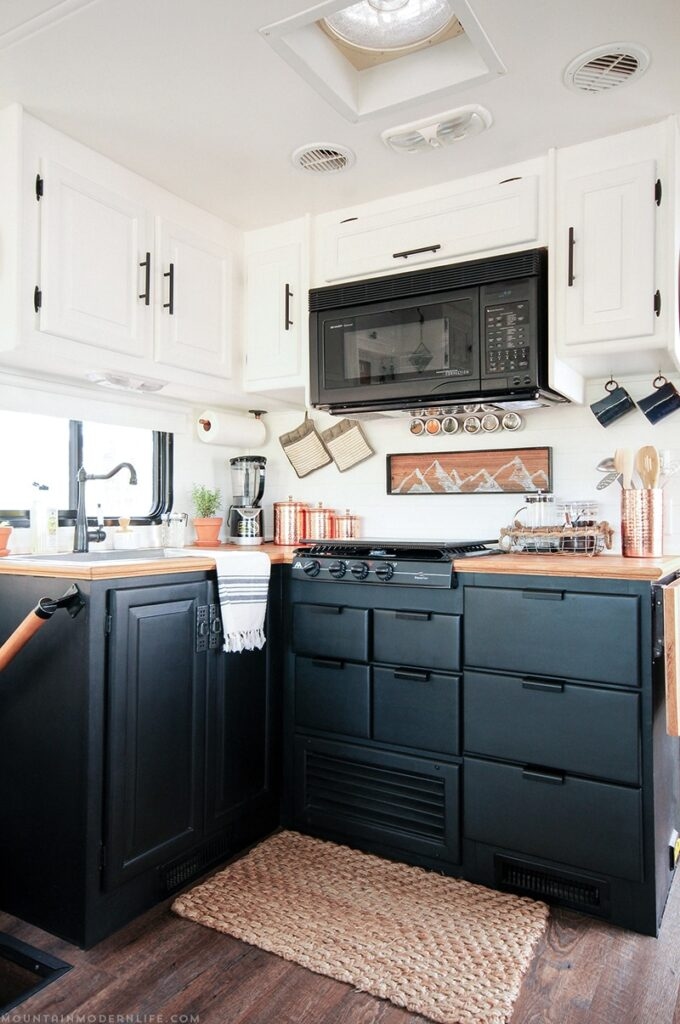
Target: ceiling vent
606 67
438 130
323 158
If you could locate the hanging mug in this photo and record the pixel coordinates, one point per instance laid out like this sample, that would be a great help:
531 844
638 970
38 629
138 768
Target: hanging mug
662 402
616 403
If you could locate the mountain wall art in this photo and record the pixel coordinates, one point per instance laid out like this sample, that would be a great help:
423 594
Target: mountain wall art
496 471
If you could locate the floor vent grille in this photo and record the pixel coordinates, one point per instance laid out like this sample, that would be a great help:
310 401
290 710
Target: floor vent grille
176 875
527 880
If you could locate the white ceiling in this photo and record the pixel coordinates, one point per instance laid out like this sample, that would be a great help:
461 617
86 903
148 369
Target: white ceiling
187 93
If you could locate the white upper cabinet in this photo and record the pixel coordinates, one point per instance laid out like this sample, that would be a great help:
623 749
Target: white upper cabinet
94 254
276 319
462 221
194 283
105 273
615 292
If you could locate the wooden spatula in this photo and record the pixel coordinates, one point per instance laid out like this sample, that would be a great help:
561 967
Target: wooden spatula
648 465
623 464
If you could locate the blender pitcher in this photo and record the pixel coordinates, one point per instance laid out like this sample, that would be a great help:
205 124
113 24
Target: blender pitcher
245 520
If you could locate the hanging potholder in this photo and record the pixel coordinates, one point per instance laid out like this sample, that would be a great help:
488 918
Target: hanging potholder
304 448
347 444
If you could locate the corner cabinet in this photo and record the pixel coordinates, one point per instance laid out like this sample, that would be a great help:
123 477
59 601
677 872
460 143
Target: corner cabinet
146 755
114 275
616 293
276 318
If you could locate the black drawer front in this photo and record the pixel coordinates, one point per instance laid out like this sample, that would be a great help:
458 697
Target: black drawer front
416 709
590 825
331 631
580 729
546 632
333 696
417 638
407 803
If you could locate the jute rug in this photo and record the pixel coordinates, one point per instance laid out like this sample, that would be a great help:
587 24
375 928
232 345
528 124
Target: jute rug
437 946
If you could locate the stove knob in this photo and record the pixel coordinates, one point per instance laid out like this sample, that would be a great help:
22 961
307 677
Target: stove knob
359 570
312 568
337 569
385 572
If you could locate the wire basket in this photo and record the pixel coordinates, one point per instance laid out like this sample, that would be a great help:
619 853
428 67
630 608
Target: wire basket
592 539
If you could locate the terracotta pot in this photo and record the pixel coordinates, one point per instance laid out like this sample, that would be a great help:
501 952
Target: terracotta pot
207 532
5 532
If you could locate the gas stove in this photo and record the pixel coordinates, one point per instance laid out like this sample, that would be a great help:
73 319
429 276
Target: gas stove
397 562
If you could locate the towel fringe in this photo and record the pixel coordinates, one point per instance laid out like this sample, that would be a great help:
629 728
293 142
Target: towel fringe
244 640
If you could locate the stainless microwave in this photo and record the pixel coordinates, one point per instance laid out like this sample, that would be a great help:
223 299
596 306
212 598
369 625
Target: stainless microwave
441 336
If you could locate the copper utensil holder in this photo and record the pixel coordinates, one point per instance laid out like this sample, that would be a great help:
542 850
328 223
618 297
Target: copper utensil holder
641 522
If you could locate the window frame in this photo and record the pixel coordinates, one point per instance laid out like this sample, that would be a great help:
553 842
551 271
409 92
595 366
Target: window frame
163 489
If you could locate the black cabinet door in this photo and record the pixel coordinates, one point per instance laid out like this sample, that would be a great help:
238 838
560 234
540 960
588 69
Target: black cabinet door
156 709
238 740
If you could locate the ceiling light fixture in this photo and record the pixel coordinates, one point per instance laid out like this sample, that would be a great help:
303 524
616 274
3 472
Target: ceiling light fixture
389 24
439 130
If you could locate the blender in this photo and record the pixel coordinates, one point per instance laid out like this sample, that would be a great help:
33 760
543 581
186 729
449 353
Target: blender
246 520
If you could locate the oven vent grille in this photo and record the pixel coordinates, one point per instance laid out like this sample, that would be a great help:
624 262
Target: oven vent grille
569 892
404 802
429 280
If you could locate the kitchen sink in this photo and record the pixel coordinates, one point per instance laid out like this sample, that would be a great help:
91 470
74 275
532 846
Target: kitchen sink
92 557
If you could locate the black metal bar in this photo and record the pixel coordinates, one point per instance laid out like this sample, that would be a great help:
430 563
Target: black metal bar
658 192
414 252
170 304
570 271
146 294
657 302
37 298
288 323
39 187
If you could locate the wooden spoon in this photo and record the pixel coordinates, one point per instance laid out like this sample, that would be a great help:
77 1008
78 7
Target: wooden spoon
623 464
648 465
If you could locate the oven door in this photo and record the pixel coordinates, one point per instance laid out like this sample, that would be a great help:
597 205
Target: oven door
402 349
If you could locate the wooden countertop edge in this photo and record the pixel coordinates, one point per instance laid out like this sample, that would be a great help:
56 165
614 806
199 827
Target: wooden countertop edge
597 567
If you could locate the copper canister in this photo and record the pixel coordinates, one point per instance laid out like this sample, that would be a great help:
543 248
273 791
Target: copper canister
319 522
289 521
347 525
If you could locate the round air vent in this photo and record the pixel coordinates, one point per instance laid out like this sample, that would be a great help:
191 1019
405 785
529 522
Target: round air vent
606 67
323 158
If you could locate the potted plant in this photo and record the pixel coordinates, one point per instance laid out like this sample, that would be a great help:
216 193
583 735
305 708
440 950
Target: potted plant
206 524
5 531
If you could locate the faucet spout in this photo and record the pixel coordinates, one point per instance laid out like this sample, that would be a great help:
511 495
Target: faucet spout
82 536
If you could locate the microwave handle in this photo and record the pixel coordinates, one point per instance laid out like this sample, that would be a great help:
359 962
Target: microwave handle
413 252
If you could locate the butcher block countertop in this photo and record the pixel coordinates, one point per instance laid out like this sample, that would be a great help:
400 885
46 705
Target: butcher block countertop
596 567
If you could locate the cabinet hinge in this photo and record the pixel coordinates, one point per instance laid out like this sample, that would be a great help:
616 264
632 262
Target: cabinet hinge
657 623
102 856
215 640
657 302
39 187
37 298
658 192
108 624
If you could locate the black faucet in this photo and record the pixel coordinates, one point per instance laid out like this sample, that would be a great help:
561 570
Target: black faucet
83 536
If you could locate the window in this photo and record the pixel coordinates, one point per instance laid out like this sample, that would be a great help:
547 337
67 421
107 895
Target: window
50 451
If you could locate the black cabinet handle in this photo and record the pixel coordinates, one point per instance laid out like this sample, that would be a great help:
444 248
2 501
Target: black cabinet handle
288 323
534 775
327 663
417 677
414 252
543 595
419 616
146 294
325 609
170 304
570 268
542 684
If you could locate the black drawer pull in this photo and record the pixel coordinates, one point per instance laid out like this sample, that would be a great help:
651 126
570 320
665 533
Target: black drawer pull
417 677
543 595
420 616
327 663
325 609
542 684
415 252
532 775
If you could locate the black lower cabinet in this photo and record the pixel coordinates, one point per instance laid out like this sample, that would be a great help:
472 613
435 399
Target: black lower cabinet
133 755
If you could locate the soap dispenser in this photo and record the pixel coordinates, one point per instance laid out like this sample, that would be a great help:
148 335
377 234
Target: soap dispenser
44 521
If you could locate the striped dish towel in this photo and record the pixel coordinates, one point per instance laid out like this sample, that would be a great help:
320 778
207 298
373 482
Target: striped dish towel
243 581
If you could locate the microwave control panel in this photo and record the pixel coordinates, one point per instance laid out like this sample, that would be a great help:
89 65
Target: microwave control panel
509 333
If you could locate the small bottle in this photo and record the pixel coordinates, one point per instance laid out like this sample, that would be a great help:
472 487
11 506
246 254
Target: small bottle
39 519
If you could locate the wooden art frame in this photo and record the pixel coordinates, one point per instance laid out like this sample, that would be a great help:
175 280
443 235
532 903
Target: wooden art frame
489 471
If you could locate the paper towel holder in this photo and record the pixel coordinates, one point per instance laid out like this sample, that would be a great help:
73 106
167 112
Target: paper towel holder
257 413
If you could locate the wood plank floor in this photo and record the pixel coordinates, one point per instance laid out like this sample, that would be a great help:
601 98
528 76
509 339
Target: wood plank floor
162 968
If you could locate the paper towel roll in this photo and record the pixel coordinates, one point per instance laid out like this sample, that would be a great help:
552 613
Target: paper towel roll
230 429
